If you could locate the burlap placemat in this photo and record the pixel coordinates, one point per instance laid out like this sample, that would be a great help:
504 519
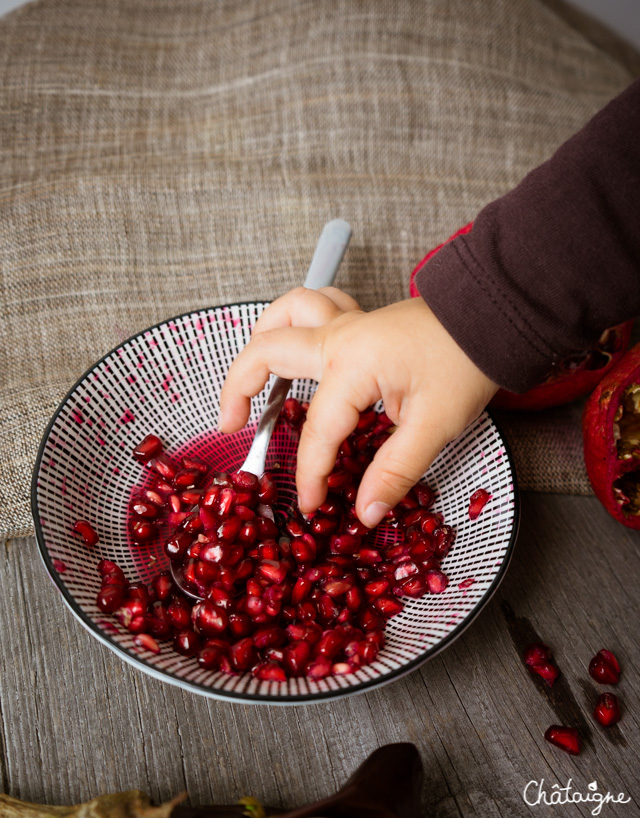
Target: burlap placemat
159 157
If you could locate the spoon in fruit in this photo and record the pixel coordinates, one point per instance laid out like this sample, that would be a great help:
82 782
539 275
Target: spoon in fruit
328 255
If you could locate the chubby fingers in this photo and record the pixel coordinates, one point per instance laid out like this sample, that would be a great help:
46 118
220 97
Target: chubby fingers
292 352
332 416
398 464
305 308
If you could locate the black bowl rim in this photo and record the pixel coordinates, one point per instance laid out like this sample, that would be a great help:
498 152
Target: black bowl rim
255 698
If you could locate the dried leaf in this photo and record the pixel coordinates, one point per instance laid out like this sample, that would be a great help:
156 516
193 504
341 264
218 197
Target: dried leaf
130 804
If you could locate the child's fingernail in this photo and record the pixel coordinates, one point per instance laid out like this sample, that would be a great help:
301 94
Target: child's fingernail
374 512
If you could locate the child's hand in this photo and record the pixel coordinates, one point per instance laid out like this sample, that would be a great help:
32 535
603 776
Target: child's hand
401 353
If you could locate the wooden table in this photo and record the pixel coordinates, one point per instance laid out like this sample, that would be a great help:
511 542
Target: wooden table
76 721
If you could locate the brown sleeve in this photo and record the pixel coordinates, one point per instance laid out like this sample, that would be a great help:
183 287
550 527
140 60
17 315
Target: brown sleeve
553 263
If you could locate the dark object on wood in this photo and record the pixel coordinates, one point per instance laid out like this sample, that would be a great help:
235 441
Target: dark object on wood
387 785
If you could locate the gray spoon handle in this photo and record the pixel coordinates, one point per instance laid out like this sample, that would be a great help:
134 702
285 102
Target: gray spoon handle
330 251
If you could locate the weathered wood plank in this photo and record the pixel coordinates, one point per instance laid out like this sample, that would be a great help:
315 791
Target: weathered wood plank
76 721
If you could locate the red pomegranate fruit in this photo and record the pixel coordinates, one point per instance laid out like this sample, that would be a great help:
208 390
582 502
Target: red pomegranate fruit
607 710
573 377
605 668
611 434
566 738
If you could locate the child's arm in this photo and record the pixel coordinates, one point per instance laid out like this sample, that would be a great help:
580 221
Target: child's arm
543 272
399 353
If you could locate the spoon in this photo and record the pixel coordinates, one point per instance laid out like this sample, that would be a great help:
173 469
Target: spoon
328 255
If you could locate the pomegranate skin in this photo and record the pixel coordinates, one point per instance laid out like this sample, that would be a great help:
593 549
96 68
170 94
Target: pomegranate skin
600 451
564 385
567 384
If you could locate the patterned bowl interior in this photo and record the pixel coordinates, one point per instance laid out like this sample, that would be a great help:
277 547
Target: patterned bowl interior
167 381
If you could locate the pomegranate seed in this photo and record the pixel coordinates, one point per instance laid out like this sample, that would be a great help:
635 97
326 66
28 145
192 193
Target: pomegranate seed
292 412
147 449
163 487
240 624
109 598
209 657
187 479
210 496
376 588
220 597
267 490
163 467
191 496
607 710
208 618
478 501
431 522
536 653
139 591
338 480
272 571
147 642
330 644
268 637
243 654
267 529
354 599
566 738
437 581
344 543
356 528
269 671
186 642
158 619
318 669
179 614
106 567
245 480
225 502
229 529
547 670
273 597
424 495
415 586
388 606
268 550
194 463
301 590
129 610
296 657
338 587
138 624
142 531
192 523
604 668
86 531
143 508
443 536
406 568
306 611
176 546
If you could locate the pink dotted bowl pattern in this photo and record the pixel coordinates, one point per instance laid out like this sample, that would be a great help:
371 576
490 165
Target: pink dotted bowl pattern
167 380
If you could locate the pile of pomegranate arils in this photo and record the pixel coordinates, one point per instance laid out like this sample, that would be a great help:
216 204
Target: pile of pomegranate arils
308 596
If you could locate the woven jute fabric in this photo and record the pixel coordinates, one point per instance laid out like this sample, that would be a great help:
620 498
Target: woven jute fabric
161 156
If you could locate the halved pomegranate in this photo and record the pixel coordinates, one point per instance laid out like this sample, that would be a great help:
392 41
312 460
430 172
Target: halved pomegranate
568 380
611 434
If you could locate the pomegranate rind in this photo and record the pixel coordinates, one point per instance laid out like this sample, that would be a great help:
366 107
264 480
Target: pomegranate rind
600 452
563 386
